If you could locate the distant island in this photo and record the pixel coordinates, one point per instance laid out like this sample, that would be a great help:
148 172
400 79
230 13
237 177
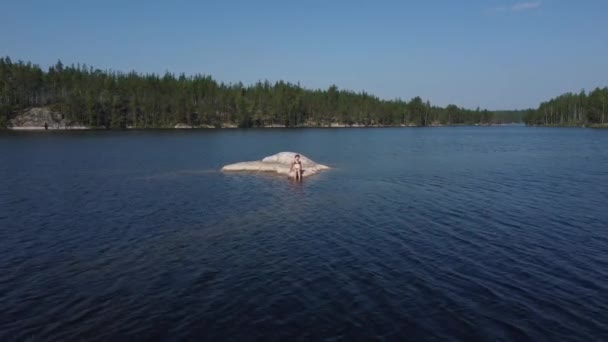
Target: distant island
81 97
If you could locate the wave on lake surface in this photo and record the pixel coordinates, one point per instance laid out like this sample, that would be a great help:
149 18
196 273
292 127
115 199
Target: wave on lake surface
488 233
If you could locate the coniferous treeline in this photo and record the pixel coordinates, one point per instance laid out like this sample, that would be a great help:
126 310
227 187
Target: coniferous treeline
570 109
110 99
509 116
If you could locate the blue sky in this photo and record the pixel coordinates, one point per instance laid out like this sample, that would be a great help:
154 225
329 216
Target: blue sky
495 54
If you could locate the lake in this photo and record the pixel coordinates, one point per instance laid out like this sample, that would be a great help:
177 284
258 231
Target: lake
446 233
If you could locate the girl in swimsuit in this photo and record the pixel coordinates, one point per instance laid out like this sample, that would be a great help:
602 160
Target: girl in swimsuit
296 166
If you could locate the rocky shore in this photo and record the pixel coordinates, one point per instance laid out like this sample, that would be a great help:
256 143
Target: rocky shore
43 118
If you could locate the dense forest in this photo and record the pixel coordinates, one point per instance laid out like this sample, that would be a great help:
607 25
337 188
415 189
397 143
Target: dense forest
570 109
110 99
509 116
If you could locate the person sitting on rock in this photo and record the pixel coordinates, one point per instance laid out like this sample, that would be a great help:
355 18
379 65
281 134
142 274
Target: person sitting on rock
296 165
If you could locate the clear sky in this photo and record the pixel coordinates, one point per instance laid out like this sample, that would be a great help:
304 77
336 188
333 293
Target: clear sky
496 54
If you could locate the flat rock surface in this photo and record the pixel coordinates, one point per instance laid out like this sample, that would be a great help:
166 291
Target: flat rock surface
279 163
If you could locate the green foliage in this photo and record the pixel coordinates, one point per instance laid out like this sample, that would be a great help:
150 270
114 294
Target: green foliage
572 110
509 116
117 100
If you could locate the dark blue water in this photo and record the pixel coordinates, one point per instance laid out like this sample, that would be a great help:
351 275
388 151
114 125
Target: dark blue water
478 233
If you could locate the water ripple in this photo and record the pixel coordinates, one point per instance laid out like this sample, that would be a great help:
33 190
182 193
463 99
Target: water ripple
439 234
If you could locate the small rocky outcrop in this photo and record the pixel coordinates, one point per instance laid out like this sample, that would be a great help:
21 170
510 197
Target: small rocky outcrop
42 118
182 126
279 163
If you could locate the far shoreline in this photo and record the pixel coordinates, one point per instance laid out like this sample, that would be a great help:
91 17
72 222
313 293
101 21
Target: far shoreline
234 127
